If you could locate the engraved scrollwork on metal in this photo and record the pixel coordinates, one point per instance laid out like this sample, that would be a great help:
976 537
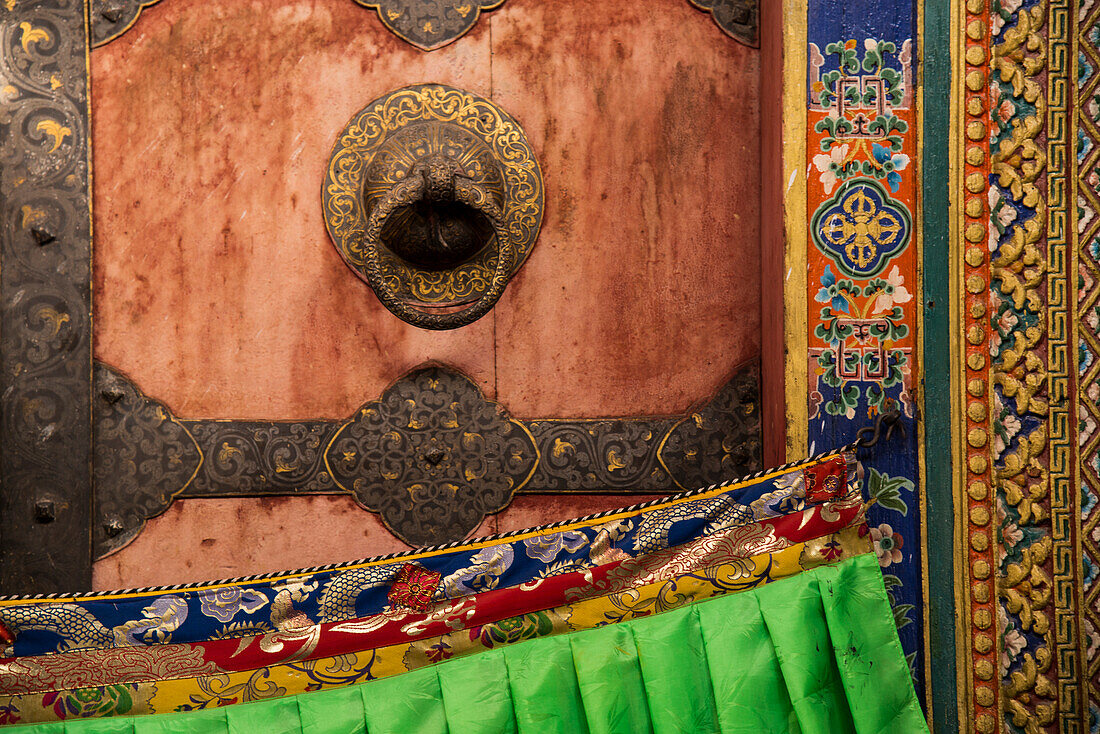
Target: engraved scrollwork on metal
111 18
600 455
261 458
740 19
430 24
718 442
143 459
45 311
721 440
394 227
433 457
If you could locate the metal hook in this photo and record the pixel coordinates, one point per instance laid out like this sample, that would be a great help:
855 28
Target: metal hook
891 419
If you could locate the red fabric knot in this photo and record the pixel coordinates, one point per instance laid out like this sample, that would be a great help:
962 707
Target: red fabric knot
6 635
825 481
414 587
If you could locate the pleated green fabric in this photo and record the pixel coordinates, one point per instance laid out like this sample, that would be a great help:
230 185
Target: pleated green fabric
812 654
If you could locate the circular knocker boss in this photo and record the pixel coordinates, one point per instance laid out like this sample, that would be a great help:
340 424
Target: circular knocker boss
433 197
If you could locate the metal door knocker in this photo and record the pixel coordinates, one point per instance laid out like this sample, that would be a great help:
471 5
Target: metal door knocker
434 198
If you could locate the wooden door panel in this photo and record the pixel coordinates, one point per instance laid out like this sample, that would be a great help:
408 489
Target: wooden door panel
220 295
217 288
225 537
642 293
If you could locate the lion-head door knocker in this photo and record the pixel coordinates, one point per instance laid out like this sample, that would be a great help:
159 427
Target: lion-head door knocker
434 198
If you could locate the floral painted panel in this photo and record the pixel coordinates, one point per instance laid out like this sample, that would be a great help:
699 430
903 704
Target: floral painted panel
862 255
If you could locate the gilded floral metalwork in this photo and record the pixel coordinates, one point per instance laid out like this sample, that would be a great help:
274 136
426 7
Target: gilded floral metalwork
143 458
717 441
384 142
600 455
432 457
260 457
430 24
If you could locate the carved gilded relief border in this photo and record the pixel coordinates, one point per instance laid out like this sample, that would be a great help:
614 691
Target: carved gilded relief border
1085 124
979 665
1022 646
1062 365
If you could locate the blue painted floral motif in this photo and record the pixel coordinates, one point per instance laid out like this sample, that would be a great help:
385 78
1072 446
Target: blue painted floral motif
890 163
861 83
832 293
892 496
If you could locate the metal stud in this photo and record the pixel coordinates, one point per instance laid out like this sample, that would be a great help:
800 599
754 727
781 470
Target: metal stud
44 511
112 12
42 237
112 527
111 397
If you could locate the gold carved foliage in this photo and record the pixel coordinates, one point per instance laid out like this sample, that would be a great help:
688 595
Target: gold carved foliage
1019 270
1030 276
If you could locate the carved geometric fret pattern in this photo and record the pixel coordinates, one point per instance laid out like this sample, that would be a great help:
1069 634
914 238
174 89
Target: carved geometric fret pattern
1032 254
1088 332
1061 259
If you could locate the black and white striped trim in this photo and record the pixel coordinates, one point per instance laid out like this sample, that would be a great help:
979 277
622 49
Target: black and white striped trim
428 549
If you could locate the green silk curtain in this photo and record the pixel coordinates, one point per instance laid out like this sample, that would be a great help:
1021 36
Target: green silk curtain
816 653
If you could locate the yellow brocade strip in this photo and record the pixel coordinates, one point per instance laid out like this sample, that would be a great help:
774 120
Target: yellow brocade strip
677 590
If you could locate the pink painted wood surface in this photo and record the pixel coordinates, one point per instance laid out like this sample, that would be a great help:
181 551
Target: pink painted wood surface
216 538
643 290
219 293
206 539
538 509
216 286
